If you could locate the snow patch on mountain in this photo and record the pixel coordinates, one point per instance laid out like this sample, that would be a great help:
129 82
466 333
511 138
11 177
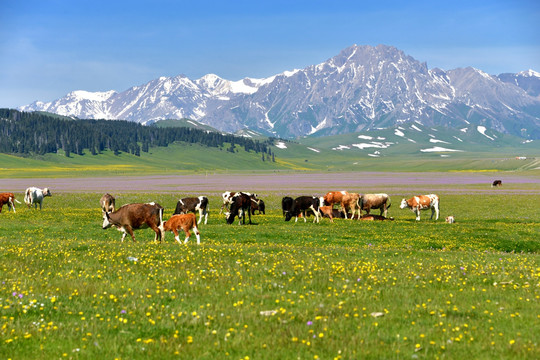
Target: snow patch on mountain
482 130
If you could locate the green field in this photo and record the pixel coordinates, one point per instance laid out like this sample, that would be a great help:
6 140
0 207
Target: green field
275 290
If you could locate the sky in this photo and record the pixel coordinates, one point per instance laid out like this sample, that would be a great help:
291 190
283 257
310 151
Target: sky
49 48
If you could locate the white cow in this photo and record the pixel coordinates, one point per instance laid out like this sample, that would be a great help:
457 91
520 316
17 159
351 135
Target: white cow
34 195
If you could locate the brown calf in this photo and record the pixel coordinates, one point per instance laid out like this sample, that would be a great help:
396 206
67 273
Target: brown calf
185 222
9 199
374 217
330 212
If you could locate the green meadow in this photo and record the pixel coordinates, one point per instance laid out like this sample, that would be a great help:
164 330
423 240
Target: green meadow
275 290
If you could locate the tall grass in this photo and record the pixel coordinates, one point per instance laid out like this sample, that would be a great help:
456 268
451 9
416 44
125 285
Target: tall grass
273 290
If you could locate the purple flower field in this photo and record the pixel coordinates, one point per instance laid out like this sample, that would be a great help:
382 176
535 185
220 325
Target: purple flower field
290 183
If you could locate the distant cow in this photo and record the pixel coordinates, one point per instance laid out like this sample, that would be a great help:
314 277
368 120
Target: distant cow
9 199
375 201
186 222
422 202
450 219
286 204
368 217
34 195
240 206
107 203
496 183
301 205
136 216
193 204
335 197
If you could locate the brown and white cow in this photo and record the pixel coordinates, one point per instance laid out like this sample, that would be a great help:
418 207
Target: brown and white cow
331 213
34 195
107 203
375 201
422 202
450 219
258 205
351 204
186 222
496 183
9 199
336 197
136 216
192 204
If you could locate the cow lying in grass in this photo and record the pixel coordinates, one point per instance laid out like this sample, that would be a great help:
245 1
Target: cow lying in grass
186 222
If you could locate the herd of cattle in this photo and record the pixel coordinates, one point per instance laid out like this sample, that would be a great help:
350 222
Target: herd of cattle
237 204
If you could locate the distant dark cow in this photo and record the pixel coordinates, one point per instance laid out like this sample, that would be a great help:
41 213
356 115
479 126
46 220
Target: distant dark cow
301 206
136 216
34 195
9 199
497 183
258 205
422 202
368 217
107 203
375 201
240 206
186 222
193 204
336 197
286 204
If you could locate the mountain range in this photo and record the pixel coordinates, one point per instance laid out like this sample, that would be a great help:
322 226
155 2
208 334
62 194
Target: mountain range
360 89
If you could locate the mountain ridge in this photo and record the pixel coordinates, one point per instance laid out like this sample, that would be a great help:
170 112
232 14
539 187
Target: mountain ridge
361 88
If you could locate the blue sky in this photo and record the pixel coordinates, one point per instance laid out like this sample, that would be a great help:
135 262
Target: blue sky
49 48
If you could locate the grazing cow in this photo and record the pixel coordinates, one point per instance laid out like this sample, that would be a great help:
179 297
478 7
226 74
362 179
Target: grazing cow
9 199
300 207
240 206
186 222
497 183
422 202
450 219
192 204
336 197
136 216
107 203
375 201
258 205
35 196
368 217
228 198
286 204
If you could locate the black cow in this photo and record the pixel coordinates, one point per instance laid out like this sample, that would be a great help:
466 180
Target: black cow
286 204
496 183
193 204
240 206
300 207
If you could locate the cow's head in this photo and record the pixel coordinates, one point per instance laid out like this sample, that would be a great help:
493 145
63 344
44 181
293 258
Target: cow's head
322 202
106 220
47 192
230 218
403 204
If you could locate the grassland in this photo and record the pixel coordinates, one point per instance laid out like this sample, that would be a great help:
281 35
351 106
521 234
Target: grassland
275 290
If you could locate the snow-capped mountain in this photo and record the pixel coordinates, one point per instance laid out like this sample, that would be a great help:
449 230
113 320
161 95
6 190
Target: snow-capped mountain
361 88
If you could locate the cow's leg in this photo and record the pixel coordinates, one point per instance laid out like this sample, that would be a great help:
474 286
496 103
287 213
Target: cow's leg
205 216
249 214
344 210
176 236
417 211
200 215
130 232
186 231
157 231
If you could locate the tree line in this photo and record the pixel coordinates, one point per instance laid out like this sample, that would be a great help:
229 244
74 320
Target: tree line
38 133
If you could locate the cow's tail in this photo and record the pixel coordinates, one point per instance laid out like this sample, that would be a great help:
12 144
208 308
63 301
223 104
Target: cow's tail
17 201
161 224
388 203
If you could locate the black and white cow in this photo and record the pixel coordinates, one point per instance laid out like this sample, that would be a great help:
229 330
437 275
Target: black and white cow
193 204
301 205
228 198
240 206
